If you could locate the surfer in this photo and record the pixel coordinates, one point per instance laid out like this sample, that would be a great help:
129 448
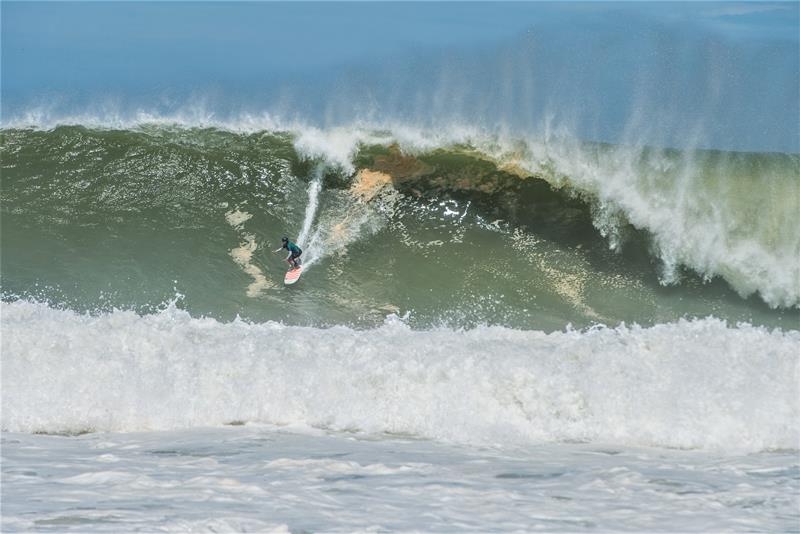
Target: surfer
293 259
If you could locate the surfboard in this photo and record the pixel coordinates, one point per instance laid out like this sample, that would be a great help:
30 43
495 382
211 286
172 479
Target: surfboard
292 275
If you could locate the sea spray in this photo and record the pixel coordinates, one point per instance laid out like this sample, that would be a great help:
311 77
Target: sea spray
314 188
719 214
311 208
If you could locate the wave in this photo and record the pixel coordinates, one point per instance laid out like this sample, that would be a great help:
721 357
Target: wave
689 384
719 214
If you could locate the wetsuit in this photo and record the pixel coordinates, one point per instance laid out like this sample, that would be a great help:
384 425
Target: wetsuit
294 253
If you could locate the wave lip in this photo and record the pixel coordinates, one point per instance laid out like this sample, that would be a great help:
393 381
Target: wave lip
719 214
691 384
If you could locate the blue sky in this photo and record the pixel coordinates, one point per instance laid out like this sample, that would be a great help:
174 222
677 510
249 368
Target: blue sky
728 70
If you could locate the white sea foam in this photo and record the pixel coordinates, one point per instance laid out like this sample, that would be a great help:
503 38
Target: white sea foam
690 384
258 478
336 146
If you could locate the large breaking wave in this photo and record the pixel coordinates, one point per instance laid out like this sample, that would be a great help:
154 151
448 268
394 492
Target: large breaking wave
719 214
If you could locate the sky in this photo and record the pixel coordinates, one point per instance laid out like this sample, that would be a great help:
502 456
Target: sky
724 75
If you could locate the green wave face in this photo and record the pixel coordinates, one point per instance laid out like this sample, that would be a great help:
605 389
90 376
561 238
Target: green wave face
455 234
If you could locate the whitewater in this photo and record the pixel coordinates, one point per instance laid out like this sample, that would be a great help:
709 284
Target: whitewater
158 419
630 385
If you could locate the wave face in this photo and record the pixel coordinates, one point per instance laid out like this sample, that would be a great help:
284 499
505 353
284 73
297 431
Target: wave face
735 390
455 227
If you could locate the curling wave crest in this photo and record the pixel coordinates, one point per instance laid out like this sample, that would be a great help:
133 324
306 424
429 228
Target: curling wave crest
719 214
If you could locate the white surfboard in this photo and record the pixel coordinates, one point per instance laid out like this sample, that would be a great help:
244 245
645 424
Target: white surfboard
293 275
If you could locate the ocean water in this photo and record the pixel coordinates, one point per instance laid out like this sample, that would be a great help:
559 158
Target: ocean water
519 311
289 479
